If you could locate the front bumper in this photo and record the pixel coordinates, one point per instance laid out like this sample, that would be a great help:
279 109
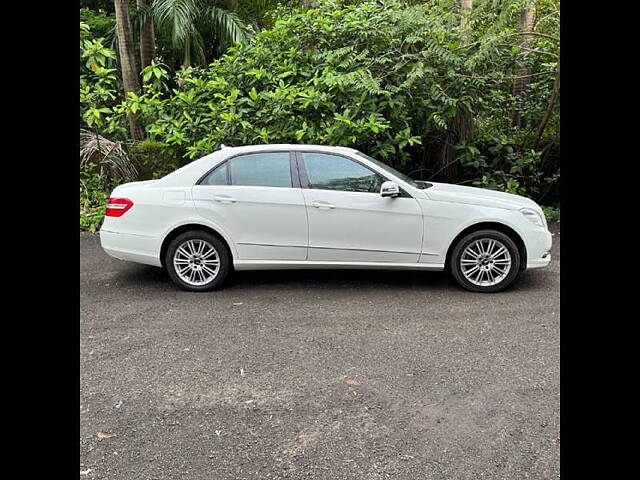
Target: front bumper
538 245
132 248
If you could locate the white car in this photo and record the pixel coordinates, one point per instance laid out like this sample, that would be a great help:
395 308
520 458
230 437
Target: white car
308 206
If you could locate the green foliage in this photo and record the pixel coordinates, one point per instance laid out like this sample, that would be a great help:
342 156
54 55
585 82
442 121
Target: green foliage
502 166
552 213
100 86
154 159
260 14
154 74
357 75
95 54
93 199
190 26
101 23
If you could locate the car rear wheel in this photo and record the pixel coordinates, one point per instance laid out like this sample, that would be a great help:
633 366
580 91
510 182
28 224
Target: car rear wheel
197 261
485 261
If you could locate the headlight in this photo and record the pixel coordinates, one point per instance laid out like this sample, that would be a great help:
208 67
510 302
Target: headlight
533 216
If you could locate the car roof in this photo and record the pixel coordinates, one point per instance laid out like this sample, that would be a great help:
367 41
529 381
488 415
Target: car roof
285 146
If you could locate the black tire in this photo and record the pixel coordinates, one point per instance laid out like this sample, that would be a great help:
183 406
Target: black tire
456 267
222 251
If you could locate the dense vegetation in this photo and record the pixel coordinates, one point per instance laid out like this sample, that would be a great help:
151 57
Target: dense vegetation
457 91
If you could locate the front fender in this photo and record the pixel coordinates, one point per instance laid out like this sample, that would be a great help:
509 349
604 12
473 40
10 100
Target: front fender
444 221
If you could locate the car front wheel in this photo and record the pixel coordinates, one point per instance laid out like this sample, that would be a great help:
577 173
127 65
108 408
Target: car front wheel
197 261
485 261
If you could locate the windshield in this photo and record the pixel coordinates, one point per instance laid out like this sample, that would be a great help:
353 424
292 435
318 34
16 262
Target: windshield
392 171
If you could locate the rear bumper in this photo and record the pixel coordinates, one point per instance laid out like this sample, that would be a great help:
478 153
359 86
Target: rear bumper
539 249
132 248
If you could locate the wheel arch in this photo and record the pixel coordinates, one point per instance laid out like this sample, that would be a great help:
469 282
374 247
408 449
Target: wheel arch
188 227
490 225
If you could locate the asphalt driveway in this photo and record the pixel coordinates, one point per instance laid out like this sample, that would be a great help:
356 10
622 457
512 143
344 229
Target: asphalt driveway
310 374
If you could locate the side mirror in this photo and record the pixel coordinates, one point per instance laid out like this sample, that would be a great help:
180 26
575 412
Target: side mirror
390 189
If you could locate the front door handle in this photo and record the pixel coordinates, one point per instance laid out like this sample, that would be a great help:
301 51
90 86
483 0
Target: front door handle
322 205
224 199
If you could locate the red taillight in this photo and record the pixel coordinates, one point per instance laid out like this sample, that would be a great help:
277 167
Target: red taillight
116 207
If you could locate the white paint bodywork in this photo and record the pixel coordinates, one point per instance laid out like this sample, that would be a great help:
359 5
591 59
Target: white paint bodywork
282 228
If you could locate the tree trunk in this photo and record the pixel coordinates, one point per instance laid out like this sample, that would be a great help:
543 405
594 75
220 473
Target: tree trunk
549 111
460 128
465 7
186 63
130 79
147 39
527 21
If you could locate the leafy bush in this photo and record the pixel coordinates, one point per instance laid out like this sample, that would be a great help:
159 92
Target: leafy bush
100 87
154 159
552 213
93 199
317 77
101 23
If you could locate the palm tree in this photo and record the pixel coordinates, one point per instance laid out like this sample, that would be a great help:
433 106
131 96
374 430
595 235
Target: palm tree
188 21
147 37
130 79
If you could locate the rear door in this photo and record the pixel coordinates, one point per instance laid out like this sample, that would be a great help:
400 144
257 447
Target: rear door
349 220
257 199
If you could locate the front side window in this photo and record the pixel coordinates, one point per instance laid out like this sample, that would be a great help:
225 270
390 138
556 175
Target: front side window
390 169
332 172
261 170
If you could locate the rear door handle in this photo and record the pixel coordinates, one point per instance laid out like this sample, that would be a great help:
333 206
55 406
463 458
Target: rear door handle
322 205
224 199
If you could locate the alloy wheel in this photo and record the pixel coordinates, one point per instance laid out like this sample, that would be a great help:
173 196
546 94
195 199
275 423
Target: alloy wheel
196 262
485 262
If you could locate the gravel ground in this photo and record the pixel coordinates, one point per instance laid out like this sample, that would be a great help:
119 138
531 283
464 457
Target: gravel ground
311 374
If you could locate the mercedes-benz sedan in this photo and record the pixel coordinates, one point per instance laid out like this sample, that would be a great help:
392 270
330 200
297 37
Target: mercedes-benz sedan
307 206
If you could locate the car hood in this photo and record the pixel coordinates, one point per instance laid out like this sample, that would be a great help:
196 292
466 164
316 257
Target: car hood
445 192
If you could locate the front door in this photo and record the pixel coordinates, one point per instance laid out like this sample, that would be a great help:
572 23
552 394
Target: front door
349 221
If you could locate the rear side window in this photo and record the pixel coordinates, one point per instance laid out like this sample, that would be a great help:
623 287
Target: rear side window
217 177
332 172
255 170
261 170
